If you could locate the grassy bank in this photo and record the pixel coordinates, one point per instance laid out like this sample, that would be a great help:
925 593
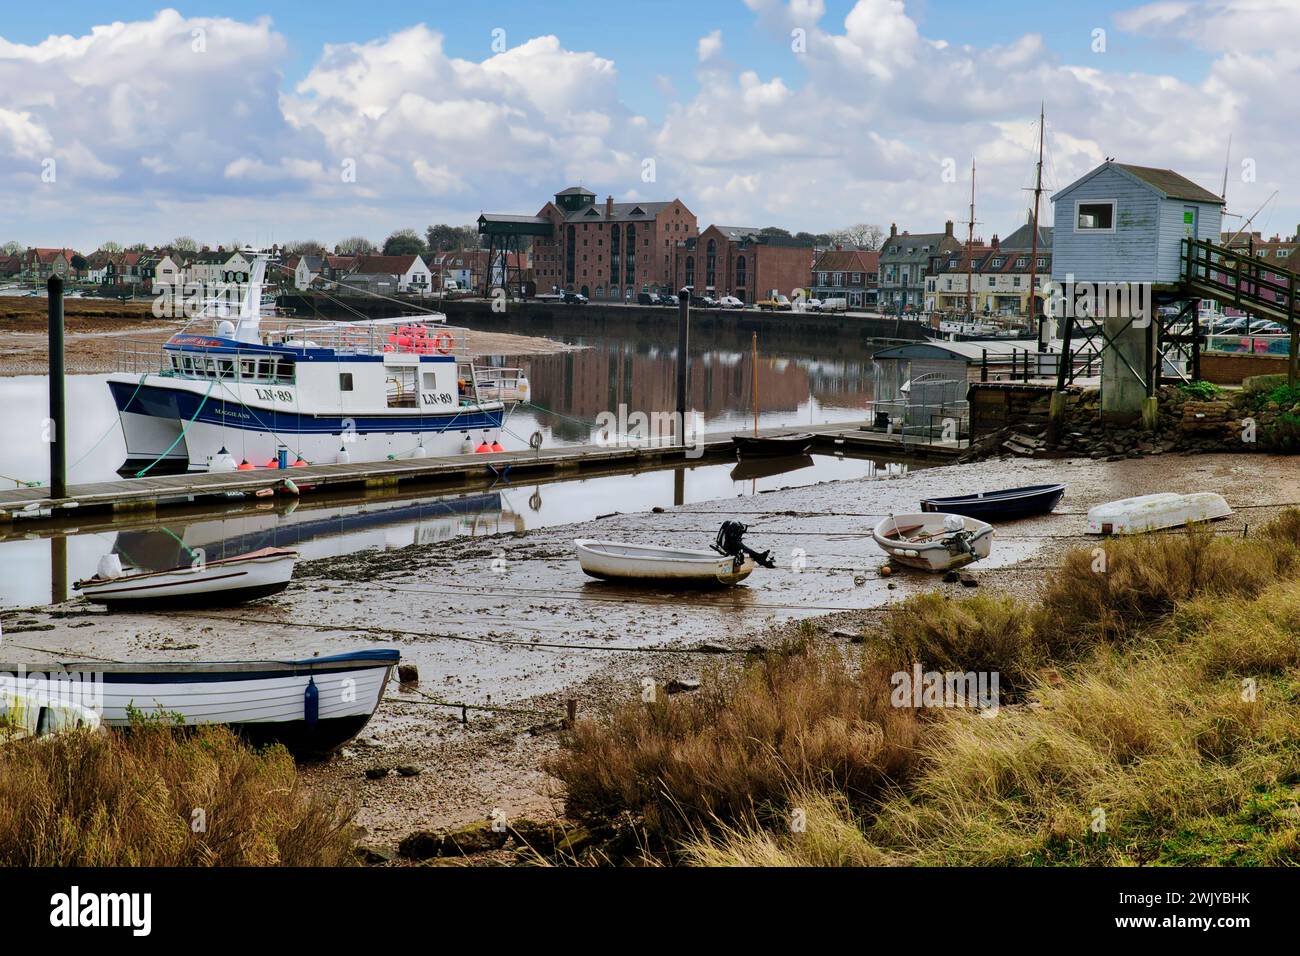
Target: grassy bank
154 797
1150 713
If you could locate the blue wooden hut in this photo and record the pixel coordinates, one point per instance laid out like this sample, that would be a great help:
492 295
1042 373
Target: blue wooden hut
1123 223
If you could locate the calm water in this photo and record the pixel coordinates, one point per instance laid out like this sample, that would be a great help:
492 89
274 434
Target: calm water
799 386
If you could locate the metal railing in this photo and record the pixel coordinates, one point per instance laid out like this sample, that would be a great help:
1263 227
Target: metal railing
923 422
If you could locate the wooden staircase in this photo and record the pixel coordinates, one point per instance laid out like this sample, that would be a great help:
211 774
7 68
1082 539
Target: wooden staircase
1236 278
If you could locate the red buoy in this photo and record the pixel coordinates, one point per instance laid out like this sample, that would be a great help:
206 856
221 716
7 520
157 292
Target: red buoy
244 466
483 449
497 446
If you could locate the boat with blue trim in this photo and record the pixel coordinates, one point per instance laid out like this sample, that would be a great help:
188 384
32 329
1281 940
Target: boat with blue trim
312 705
247 391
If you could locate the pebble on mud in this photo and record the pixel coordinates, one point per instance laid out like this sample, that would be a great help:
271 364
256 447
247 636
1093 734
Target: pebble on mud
408 674
377 773
408 770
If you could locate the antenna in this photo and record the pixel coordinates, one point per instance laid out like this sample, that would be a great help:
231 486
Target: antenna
1227 159
1246 225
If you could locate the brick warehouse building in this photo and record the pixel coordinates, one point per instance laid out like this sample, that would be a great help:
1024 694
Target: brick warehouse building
741 261
610 250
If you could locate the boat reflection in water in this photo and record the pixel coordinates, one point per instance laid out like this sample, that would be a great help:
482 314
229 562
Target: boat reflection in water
319 533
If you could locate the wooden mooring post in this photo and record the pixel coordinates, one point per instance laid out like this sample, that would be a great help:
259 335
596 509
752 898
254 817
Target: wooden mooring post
55 426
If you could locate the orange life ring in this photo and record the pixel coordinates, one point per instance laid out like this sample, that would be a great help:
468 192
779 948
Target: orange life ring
440 339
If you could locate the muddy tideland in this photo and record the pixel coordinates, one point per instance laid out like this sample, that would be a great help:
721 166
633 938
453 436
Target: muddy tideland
97 330
509 626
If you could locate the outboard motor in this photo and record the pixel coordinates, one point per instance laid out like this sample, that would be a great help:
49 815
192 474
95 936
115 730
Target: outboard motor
730 541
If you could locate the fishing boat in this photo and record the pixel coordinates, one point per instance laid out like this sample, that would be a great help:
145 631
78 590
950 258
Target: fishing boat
233 580
306 390
1157 511
729 562
24 713
1004 505
934 541
311 706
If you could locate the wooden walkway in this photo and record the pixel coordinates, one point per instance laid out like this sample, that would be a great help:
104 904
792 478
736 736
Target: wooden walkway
128 494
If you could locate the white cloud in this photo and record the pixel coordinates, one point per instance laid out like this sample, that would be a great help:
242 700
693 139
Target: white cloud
710 45
153 135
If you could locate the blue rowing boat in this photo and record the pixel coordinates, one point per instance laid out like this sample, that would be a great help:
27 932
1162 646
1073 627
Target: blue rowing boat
1004 505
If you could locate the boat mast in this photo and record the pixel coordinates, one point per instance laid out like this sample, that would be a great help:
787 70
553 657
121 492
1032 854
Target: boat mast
250 311
1033 248
970 249
754 345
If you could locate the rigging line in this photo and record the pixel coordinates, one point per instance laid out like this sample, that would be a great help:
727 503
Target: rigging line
112 427
141 473
431 702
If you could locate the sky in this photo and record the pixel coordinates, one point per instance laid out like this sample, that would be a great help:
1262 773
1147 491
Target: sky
271 122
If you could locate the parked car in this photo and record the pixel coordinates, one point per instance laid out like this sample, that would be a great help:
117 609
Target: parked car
573 298
647 298
730 302
812 304
777 303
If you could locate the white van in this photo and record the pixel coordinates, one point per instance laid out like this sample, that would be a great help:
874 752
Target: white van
835 305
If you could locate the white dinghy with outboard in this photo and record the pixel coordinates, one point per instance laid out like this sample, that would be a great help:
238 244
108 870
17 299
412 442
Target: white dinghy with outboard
729 562
1156 512
934 541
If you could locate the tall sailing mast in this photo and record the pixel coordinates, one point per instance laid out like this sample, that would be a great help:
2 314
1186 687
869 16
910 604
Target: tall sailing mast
970 249
1033 250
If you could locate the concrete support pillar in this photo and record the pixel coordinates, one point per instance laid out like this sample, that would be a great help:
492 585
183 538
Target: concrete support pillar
1124 394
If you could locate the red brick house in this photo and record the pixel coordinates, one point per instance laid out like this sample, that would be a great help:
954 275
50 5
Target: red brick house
744 262
610 251
849 274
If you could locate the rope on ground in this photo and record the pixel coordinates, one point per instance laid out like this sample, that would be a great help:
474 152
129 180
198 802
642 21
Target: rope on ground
370 629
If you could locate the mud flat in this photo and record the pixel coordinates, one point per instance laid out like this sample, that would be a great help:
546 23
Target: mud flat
509 626
96 330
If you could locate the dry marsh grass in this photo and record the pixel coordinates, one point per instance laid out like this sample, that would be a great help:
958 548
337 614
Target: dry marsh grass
130 799
1160 724
801 717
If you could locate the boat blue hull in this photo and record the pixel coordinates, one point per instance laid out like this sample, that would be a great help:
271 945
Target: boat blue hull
1005 505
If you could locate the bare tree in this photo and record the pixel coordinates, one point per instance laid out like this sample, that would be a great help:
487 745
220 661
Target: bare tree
304 247
355 246
185 244
110 247
863 235
13 248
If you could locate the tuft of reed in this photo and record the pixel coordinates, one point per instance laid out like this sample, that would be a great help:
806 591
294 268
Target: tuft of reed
151 796
804 717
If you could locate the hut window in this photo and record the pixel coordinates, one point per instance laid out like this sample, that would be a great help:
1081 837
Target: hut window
1096 217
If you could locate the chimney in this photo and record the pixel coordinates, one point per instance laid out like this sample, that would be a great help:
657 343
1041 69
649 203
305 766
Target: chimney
947 229
609 207
893 230
995 242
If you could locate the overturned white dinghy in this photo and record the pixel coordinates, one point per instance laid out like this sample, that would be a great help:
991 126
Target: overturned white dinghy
934 541
27 714
1154 512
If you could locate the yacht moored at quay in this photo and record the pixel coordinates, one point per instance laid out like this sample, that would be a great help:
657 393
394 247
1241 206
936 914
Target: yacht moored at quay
240 392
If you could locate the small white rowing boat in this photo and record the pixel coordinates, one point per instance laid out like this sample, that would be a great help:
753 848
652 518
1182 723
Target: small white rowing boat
244 577
934 541
1154 512
24 714
312 705
613 560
